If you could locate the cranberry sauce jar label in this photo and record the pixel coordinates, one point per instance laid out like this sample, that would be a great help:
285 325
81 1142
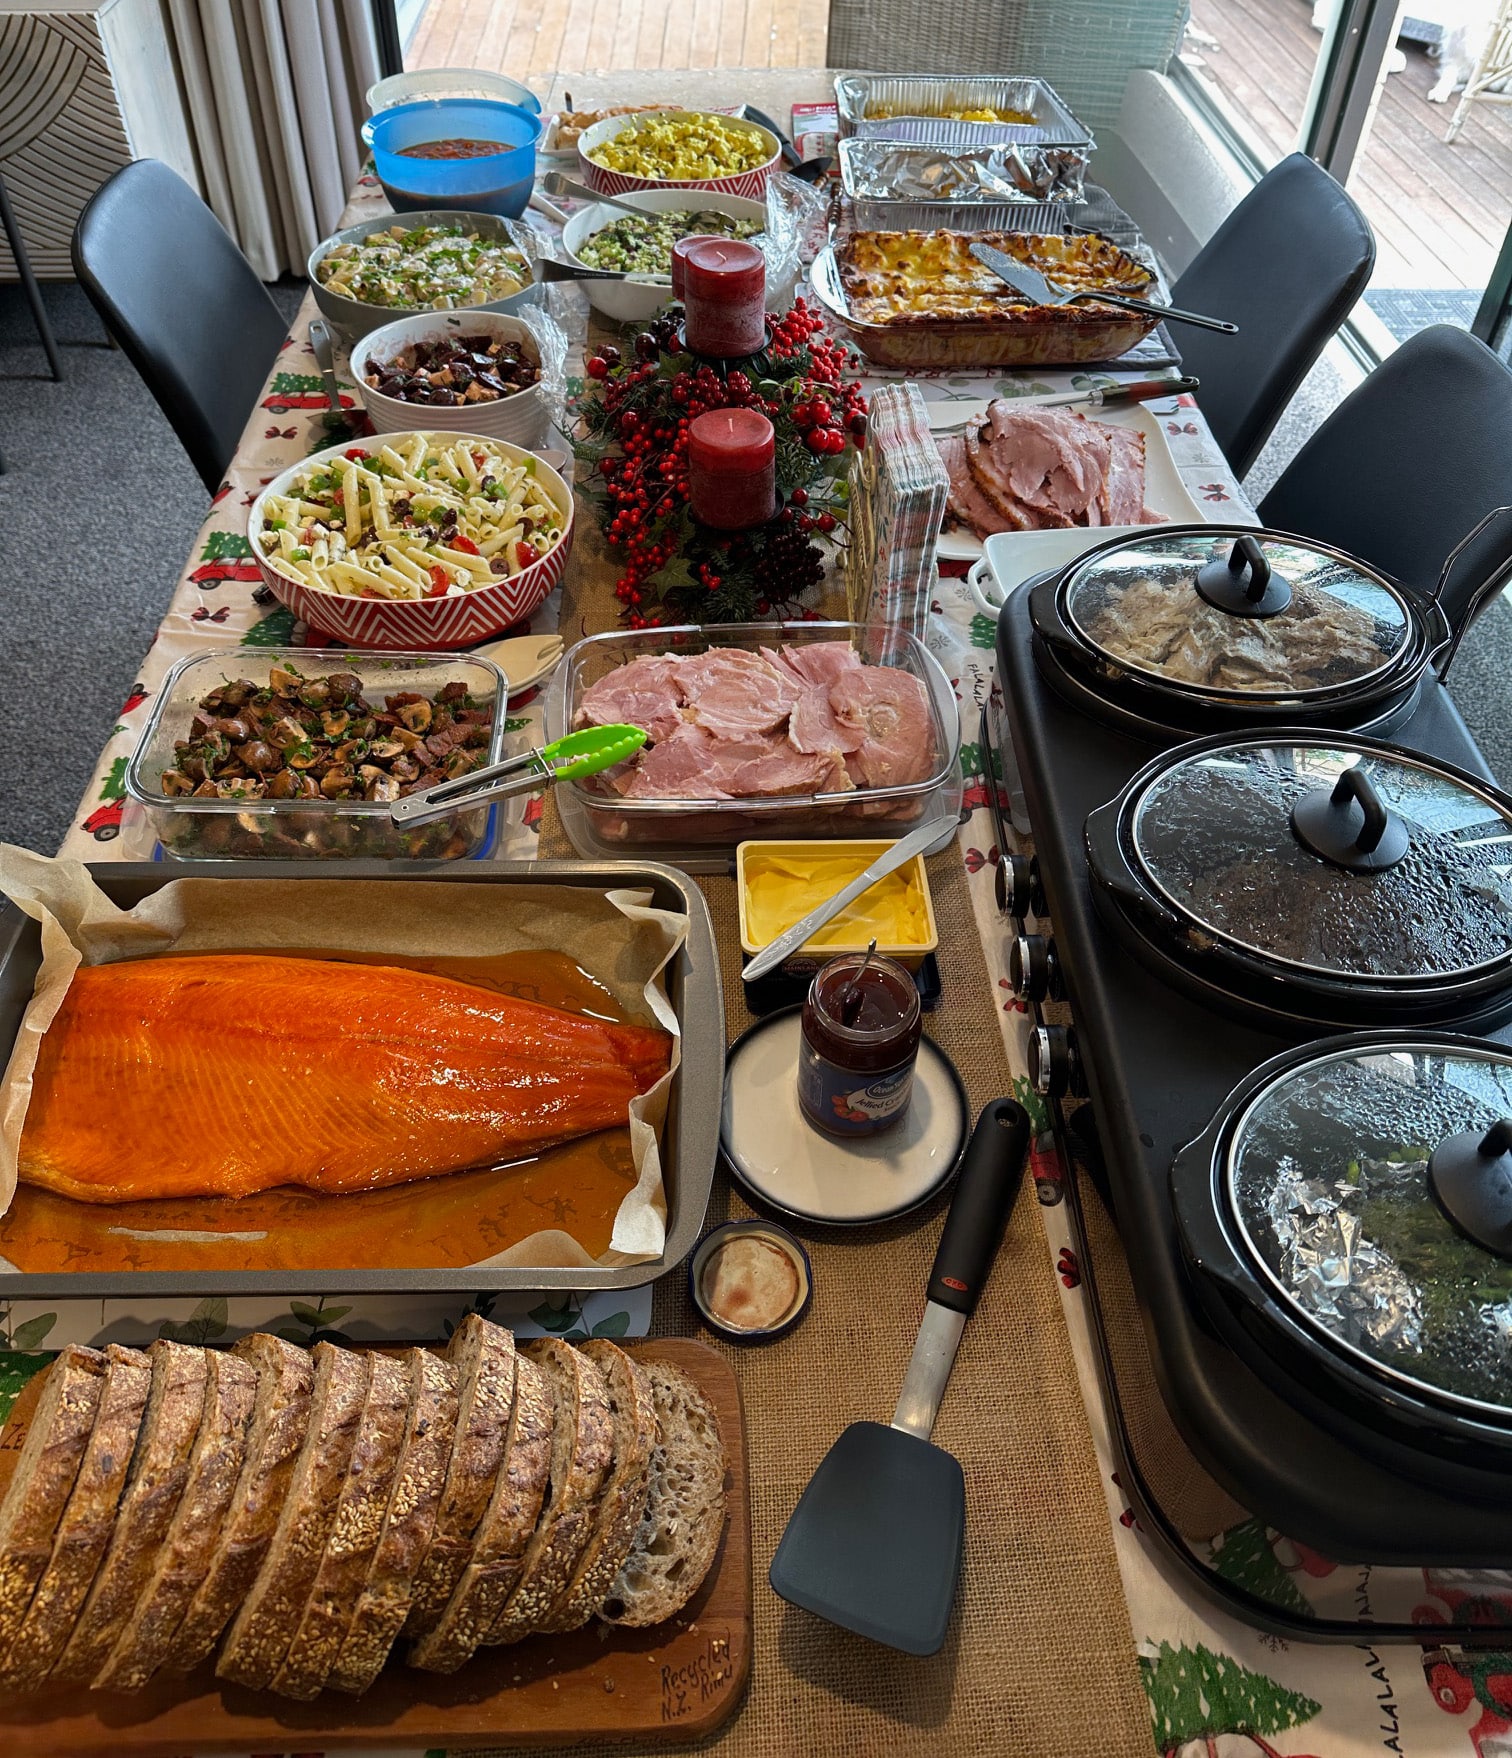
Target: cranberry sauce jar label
836 1099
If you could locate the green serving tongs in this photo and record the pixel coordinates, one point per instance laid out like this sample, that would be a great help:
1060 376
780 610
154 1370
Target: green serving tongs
580 753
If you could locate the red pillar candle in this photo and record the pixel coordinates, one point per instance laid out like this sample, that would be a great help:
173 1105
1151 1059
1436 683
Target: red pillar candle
732 469
724 293
679 262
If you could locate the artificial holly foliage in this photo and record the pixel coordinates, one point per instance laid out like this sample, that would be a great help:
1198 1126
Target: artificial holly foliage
1195 1693
633 419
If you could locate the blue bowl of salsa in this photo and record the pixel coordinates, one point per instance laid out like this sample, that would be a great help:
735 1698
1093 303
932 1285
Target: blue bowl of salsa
470 153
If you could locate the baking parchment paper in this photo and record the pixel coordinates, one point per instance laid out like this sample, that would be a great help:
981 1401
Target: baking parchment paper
617 936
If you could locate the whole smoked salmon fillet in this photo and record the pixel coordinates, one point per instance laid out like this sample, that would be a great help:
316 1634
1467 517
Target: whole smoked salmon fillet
219 1076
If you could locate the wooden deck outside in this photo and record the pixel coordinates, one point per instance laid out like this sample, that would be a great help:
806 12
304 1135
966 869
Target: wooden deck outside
535 39
1439 212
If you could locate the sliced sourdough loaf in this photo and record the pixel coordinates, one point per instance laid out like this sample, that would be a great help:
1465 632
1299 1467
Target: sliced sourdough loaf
44 1477
154 1485
280 1419
86 1523
408 1526
626 1489
582 1446
685 1511
263 1628
504 1534
188 1548
349 1551
484 1357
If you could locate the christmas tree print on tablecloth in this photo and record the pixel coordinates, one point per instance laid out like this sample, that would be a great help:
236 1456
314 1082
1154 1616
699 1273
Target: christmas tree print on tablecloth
1244 1556
1196 1696
275 630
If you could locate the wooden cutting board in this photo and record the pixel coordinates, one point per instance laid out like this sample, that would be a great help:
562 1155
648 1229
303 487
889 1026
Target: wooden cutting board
675 1682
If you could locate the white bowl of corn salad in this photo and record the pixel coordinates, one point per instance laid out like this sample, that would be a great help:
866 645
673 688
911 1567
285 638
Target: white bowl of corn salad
678 149
440 260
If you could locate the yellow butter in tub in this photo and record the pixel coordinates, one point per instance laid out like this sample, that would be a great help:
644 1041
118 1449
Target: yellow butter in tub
781 882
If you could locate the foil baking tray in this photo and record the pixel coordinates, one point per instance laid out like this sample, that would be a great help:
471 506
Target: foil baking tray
689 1139
912 106
904 186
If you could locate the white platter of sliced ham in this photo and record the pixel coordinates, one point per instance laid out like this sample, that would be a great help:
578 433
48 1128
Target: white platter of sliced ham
1027 468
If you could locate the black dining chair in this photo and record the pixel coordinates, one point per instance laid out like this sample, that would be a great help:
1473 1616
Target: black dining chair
1408 465
1287 266
183 303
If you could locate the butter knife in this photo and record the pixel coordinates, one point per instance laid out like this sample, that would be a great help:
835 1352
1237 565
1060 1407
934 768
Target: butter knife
1033 285
887 862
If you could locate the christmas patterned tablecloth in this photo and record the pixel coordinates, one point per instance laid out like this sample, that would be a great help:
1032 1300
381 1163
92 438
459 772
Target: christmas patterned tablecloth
1217 1689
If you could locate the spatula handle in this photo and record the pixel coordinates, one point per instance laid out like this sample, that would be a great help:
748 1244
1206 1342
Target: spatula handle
989 1179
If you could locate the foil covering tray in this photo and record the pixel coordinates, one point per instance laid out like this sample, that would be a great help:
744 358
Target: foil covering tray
913 104
903 186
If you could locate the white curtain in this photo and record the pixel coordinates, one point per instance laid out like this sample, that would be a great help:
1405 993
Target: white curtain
274 91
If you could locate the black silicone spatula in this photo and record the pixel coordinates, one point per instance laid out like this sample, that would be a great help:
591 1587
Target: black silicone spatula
875 1543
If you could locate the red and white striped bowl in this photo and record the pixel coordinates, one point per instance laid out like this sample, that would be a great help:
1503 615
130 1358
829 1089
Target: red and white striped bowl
750 183
418 624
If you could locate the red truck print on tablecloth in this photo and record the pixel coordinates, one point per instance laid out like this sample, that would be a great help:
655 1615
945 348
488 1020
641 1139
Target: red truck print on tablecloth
224 557
300 390
104 823
1462 1680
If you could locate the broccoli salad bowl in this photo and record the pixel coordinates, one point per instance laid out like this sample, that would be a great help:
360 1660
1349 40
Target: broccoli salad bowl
393 267
420 540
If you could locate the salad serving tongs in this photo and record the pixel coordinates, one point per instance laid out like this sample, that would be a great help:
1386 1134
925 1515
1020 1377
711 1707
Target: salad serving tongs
1033 285
580 753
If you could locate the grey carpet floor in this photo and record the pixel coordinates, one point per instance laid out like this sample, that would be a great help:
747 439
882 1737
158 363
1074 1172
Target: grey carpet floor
98 508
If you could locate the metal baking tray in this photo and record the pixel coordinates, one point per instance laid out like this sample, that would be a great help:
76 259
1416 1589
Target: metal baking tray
690 1138
905 170
919 98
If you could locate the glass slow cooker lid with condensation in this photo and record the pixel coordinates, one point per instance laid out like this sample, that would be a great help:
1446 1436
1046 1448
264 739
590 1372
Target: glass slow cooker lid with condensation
1352 860
1232 611
1372 1187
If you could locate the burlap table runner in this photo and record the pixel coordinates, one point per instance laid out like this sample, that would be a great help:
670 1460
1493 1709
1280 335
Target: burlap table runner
1040 1657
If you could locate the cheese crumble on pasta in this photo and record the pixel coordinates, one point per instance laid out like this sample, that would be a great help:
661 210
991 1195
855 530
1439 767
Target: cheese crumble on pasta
423 516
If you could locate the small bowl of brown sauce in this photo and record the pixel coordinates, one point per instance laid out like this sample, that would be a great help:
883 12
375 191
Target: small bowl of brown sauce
751 1281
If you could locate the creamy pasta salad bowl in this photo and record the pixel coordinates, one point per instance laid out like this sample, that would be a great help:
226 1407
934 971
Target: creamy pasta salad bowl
419 540
440 260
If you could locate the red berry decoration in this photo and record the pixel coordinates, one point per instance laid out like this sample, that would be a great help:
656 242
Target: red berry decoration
632 433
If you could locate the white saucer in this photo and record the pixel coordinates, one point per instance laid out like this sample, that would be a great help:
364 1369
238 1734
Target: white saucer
784 1161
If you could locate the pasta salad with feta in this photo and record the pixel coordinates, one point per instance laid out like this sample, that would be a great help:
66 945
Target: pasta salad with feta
422 516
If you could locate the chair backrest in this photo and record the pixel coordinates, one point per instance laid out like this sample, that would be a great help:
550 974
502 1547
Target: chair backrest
1409 463
182 302
1287 266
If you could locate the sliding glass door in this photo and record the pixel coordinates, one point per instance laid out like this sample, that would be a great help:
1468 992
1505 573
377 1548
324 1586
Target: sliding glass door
1375 95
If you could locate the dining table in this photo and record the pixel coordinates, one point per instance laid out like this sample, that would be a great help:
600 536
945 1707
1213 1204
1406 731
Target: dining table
1071 1634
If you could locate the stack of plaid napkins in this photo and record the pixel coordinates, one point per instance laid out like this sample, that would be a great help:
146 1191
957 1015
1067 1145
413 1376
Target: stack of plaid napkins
897 500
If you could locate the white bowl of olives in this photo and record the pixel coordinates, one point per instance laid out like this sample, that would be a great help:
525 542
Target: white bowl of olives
601 237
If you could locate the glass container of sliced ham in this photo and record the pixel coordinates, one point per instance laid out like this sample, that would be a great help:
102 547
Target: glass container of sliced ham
776 730
1192 628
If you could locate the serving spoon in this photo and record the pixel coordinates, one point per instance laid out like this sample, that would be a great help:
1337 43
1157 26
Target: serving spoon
559 183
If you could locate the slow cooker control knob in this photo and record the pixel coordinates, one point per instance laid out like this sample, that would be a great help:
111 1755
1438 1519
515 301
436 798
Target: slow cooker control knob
1034 968
1017 882
1054 1064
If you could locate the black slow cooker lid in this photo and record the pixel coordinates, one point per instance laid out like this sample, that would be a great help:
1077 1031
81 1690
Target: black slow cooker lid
1349 859
1233 611
1347 1177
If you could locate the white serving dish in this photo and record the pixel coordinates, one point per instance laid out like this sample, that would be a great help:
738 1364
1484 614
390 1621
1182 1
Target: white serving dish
449 82
1165 492
626 303
521 419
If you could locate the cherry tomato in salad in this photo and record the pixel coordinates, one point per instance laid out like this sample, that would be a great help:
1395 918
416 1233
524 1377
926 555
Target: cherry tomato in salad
440 580
526 553
465 544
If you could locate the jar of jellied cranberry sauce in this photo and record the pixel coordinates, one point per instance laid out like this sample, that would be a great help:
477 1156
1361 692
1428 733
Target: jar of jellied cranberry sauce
860 1040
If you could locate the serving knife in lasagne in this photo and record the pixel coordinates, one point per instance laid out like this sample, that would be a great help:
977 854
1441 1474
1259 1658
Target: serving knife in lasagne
1035 288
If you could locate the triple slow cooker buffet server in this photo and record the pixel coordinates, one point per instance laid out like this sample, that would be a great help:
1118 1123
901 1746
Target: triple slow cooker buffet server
1191 1019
